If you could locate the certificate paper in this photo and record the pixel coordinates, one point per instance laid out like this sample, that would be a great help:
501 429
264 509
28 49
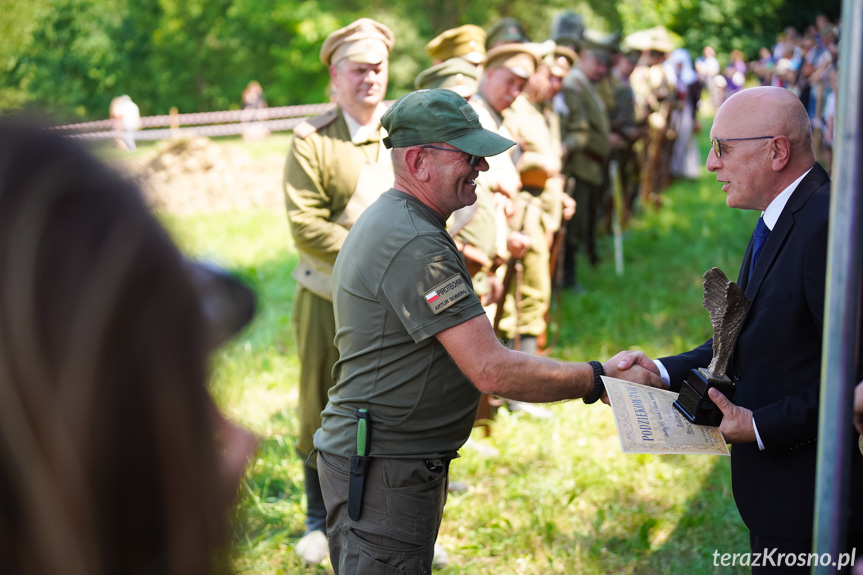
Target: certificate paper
647 422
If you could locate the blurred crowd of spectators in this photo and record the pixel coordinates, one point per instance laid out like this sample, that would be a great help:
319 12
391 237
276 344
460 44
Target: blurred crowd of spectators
805 63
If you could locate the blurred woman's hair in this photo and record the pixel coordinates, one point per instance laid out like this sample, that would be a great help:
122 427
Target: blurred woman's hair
108 459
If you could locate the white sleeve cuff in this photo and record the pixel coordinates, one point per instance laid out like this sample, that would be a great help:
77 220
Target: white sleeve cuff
757 437
663 373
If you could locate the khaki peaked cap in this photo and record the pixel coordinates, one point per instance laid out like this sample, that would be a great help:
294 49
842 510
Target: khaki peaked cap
439 115
466 42
364 40
519 59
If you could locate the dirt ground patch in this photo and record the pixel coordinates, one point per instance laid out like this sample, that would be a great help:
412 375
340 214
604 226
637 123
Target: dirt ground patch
196 175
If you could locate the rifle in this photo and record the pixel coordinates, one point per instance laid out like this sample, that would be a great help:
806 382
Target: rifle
555 269
507 281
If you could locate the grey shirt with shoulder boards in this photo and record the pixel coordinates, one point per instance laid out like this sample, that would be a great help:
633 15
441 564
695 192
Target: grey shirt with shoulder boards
398 281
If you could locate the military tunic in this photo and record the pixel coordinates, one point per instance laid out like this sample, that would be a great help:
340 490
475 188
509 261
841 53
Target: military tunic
585 129
329 180
605 91
622 116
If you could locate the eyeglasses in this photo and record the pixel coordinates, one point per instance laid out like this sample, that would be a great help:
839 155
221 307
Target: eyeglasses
472 159
717 149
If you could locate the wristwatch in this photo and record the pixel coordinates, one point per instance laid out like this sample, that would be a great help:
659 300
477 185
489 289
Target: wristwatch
598 386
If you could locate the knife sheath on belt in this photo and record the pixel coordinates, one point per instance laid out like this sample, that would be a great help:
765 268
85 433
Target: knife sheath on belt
359 464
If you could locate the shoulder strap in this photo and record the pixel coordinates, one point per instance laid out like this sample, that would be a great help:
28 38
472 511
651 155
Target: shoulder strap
311 125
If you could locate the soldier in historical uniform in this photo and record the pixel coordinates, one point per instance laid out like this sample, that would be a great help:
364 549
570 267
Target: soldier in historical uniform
483 225
626 130
538 210
563 58
337 165
605 86
480 230
655 99
586 147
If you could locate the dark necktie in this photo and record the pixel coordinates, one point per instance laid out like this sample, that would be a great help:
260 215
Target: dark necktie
759 236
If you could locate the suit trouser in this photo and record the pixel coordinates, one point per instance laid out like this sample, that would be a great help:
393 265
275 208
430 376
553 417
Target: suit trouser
314 329
402 508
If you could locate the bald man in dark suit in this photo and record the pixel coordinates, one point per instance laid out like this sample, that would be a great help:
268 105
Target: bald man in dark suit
762 154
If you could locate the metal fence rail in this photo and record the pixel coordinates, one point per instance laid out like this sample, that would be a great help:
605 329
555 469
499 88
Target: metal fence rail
207 131
225 123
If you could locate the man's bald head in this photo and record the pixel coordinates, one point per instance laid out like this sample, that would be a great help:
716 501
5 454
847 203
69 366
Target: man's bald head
762 143
768 111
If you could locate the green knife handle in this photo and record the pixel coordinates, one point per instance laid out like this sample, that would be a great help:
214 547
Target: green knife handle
362 431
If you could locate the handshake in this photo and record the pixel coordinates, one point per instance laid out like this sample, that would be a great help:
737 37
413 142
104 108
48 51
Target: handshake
636 367
737 424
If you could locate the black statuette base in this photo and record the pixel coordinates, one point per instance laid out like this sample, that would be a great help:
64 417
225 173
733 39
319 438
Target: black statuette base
693 401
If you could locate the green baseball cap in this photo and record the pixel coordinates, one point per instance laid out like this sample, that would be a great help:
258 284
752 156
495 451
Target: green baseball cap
439 115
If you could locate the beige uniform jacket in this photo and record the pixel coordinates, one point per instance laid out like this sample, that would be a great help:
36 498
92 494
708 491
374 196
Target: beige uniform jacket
537 132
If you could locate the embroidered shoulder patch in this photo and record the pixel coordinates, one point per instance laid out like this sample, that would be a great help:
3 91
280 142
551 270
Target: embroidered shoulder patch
447 293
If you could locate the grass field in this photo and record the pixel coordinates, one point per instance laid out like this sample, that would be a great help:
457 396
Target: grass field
558 496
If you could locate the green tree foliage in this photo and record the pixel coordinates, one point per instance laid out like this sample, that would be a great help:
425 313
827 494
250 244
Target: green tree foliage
725 25
69 58
16 36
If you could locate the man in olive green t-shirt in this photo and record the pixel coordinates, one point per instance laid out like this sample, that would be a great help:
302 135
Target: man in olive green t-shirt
416 348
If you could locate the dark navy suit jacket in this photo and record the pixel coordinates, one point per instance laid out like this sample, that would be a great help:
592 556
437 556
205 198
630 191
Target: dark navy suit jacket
777 366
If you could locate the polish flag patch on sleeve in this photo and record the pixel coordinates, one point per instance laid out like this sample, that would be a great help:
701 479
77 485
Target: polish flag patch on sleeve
445 294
